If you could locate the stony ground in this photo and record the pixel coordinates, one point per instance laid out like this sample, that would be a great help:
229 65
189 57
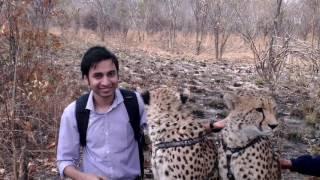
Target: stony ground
207 81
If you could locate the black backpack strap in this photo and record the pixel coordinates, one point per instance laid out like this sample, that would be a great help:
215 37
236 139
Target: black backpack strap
132 106
82 116
131 103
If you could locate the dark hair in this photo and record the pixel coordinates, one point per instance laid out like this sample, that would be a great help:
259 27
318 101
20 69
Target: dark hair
95 55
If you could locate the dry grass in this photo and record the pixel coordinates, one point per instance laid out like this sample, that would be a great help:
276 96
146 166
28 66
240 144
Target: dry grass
156 43
57 93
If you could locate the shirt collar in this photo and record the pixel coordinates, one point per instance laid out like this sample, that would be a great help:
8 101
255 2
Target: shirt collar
117 100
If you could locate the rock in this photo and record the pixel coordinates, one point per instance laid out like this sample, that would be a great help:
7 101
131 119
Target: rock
237 84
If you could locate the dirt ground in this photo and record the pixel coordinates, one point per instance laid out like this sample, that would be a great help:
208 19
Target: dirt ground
149 64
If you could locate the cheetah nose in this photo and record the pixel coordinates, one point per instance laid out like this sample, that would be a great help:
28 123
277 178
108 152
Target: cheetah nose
272 126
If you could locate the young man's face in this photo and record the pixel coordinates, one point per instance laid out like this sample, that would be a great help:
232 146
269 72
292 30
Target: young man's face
103 79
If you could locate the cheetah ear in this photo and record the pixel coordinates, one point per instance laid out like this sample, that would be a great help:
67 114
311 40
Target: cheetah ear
230 100
146 97
184 96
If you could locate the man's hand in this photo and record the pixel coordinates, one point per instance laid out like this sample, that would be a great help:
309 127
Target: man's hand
92 177
219 124
285 164
214 126
73 173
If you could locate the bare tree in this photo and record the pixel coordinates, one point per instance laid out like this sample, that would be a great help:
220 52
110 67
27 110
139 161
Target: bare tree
221 18
299 17
314 6
318 32
123 17
246 23
62 19
173 8
156 17
200 10
138 17
270 66
103 8
1 3
19 42
269 60
11 9
76 18
40 13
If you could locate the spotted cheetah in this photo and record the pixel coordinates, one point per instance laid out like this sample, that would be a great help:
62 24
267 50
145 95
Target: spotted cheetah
245 150
180 149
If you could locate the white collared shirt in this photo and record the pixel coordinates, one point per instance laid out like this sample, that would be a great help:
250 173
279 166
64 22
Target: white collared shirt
111 149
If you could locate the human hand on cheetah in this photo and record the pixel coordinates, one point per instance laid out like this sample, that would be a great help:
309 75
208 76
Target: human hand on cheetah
285 164
214 126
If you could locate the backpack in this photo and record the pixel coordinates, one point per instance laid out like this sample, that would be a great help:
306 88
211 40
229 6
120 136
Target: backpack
132 106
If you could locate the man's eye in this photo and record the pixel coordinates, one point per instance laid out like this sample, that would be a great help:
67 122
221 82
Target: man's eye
111 73
98 75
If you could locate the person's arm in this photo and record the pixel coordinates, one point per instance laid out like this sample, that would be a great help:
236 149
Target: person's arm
304 164
68 150
307 165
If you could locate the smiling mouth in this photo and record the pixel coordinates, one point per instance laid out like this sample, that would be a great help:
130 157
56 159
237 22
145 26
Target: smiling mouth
105 89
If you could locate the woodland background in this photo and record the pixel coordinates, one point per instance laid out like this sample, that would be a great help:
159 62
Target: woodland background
206 45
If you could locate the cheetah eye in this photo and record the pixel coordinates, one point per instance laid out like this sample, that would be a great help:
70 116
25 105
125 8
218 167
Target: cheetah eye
259 110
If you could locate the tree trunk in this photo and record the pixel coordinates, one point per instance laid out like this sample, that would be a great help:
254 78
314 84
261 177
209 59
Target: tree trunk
102 32
198 43
13 47
318 47
313 29
225 38
23 166
216 42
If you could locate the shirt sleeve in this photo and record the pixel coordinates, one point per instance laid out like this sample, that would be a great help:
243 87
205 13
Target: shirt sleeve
307 165
143 114
68 149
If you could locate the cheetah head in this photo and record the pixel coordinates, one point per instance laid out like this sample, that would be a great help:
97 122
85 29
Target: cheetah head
163 102
164 94
251 114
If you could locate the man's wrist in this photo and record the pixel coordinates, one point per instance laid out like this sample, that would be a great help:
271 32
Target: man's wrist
72 172
286 164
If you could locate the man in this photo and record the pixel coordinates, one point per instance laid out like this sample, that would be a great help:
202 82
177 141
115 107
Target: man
111 151
305 164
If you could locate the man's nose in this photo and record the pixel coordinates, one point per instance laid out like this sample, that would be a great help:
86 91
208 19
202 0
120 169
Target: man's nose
105 80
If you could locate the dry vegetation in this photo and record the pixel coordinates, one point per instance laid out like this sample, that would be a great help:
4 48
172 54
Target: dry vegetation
41 44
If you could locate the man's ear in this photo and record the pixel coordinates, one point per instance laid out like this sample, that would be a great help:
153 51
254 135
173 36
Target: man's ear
86 79
146 97
230 100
